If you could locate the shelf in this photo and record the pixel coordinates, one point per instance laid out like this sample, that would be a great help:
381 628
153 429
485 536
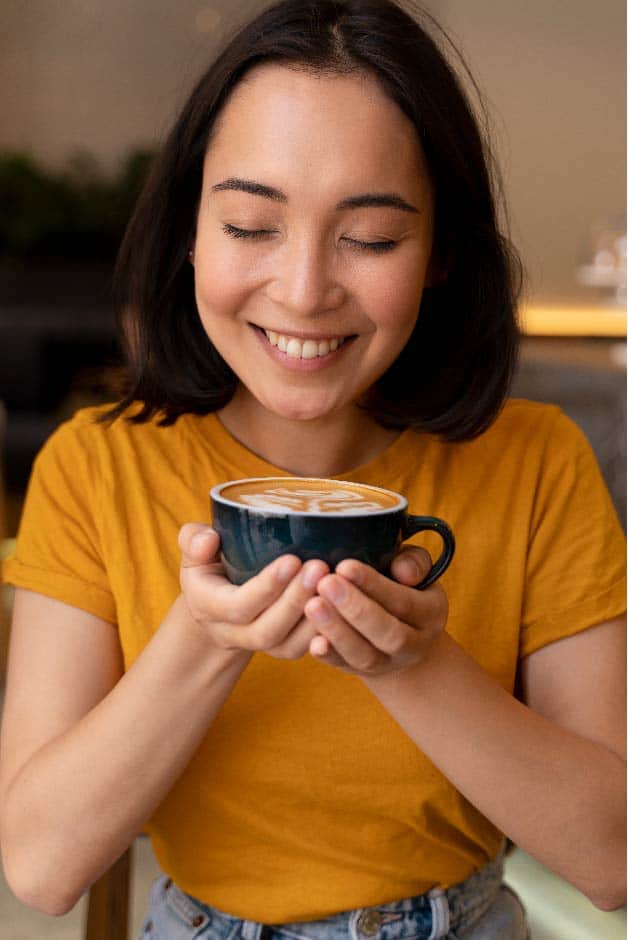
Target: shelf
559 320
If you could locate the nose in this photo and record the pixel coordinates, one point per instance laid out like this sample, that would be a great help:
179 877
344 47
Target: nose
305 280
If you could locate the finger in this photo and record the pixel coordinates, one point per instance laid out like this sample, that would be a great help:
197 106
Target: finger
321 649
350 645
199 544
382 629
276 620
296 643
320 645
244 604
209 592
411 565
406 603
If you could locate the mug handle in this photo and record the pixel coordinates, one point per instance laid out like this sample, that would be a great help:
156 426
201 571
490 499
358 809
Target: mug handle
414 524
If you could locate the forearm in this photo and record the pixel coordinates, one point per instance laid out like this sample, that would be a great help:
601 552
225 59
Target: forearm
558 796
81 799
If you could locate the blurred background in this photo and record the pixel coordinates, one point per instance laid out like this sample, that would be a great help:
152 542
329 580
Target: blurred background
91 87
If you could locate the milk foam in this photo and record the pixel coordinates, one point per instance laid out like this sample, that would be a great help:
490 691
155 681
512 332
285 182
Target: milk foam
342 501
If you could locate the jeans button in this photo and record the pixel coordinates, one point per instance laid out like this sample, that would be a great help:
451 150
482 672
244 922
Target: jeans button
198 921
370 922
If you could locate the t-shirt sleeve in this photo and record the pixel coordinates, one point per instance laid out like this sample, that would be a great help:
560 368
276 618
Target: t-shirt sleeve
58 550
576 569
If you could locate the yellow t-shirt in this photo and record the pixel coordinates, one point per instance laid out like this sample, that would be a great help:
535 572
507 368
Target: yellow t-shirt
305 798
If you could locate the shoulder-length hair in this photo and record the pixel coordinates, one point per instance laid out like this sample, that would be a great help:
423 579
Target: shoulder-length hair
454 373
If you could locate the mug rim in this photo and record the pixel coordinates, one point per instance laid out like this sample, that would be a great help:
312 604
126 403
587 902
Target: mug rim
217 496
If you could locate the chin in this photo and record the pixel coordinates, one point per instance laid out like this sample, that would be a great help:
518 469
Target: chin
299 411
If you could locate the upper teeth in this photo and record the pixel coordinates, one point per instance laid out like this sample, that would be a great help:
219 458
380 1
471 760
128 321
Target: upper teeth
302 349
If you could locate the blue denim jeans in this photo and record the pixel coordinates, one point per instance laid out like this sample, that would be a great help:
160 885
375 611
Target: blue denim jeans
480 908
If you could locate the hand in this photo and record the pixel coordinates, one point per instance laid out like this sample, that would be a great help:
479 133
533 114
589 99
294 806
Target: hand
265 613
369 624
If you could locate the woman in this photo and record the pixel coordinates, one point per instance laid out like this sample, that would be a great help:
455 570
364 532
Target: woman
314 283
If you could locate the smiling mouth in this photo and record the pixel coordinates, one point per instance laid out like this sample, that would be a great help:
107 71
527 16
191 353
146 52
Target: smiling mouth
297 348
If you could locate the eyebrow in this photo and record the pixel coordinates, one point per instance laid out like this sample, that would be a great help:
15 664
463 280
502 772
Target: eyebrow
361 201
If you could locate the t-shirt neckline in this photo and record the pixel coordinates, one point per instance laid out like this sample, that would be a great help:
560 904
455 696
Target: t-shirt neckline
236 457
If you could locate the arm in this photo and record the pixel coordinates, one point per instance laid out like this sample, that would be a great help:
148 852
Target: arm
539 777
87 752
548 772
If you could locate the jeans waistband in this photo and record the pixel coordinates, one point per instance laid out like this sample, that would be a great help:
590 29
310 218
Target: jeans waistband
428 916
469 899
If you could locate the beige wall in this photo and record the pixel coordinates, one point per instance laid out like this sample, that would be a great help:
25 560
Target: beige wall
107 74
554 73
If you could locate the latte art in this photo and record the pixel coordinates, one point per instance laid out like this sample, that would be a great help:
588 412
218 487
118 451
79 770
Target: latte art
344 501
310 496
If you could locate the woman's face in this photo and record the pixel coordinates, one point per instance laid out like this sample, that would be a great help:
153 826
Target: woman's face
313 238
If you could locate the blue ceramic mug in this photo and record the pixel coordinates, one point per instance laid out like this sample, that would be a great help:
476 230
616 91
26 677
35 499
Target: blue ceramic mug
260 518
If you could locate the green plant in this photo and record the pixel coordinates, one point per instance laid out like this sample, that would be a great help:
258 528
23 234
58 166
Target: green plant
76 213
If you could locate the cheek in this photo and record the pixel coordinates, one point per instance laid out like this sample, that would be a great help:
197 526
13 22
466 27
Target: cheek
393 300
220 287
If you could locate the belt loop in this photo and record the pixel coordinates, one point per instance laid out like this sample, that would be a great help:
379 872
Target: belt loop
354 918
251 930
440 913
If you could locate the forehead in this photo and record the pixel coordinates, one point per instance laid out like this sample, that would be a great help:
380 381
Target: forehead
317 128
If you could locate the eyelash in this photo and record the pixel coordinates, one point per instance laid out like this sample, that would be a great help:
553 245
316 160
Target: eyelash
256 234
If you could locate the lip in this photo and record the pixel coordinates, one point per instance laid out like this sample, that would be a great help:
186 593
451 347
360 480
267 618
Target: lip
301 334
301 365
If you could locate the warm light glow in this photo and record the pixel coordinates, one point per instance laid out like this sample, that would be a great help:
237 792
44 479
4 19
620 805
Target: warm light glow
557 320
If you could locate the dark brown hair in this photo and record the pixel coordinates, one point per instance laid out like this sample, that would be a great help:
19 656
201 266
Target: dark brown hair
454 373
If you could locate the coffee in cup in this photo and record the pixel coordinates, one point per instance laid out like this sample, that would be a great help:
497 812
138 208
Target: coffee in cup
317 496
260 518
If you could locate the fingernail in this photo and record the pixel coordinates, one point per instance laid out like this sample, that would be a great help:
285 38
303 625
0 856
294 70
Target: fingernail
199 541
352 572
319 646
287 568
320 614
336 590
311 576
412 569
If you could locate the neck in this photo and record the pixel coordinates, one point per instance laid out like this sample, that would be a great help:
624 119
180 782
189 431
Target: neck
321 447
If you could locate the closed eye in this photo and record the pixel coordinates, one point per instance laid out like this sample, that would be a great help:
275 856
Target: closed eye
236 232
376 247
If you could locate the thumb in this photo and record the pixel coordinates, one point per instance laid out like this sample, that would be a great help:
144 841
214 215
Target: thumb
199 545
411 565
